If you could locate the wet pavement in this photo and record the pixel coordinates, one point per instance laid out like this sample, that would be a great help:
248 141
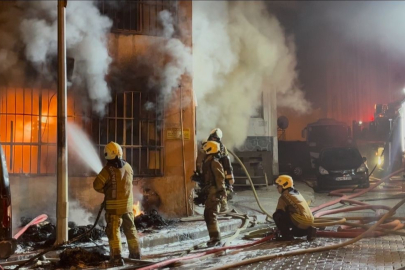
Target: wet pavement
386 252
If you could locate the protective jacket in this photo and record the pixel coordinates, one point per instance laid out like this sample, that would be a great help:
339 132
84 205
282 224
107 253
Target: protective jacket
116 184
292 202
214 174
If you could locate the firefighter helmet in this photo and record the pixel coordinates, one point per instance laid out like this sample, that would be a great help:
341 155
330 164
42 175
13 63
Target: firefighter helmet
216 133
211 147
285 181
112 150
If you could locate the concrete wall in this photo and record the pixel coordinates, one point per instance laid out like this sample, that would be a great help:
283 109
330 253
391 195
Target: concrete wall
262 134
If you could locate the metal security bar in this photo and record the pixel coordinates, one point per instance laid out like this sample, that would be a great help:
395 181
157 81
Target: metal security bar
28 121
137 17
135 121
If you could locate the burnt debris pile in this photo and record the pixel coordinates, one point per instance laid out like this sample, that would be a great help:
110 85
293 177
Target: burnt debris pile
44 234
79 257
75 231
152 220
40 235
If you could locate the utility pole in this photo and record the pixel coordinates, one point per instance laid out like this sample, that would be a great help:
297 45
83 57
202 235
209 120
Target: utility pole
62 200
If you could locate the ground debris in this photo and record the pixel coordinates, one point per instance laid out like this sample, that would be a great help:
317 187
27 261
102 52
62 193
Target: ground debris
79 257
152 220
74 231
44 234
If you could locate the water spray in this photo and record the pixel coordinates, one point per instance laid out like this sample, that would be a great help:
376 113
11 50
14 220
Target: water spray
80 144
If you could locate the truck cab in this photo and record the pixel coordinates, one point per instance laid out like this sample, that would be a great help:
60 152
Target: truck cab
326 132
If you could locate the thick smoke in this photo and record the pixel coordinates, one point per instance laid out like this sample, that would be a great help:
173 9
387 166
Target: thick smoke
240 51
369 22
180 61
29 36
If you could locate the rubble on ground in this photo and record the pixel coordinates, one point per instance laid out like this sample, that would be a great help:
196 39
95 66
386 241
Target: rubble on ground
44 234
79 257
152 220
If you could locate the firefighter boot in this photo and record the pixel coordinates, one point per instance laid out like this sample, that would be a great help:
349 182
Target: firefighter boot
311 233
135 255
286 236
214 242
116 261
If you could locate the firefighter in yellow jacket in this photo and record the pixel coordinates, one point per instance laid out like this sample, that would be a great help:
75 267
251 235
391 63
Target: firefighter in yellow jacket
115 182
214 177
293 216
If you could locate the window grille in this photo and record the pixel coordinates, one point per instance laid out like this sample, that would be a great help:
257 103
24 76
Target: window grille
137 17
28 133
134 120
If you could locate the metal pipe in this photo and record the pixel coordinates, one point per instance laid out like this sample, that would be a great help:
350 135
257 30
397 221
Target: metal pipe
62 199
182 150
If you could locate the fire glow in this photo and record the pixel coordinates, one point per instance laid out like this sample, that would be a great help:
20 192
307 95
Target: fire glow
136 208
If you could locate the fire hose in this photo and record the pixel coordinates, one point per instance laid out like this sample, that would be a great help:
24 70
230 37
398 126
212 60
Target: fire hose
318 222
318 249
68 242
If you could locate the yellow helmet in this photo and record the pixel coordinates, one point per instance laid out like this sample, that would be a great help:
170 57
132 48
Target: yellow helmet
211 147
112 150
285 181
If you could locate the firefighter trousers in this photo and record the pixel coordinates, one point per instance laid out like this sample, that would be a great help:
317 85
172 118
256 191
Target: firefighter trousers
212 205
114 223
286 226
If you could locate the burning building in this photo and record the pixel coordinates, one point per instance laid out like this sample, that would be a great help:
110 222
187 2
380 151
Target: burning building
138 95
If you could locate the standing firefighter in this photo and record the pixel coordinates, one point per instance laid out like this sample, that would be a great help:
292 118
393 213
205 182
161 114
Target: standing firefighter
214 177
293 216
115 182
216 136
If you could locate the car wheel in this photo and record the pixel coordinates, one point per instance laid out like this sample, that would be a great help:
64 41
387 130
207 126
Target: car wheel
297 171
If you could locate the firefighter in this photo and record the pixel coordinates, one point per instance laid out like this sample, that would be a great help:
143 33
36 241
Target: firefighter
214 177
115 182
216 135
293 216
200 157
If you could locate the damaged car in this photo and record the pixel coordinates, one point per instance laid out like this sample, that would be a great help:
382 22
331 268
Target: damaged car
341 166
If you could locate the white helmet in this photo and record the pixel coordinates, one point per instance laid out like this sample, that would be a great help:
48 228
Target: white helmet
112 150
216 132
211 147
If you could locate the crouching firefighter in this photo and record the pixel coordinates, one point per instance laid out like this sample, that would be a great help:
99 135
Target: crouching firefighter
293 216
115 182
214 177
216 136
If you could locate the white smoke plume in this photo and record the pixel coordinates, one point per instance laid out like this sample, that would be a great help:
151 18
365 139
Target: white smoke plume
180 61
240 51
32 26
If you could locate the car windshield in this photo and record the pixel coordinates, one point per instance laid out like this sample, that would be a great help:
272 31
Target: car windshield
341 158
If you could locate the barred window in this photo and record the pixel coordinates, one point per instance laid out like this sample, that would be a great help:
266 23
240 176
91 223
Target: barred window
134 120
28 133
137 17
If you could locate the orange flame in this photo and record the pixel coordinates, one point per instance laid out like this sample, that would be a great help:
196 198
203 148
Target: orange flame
136 208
